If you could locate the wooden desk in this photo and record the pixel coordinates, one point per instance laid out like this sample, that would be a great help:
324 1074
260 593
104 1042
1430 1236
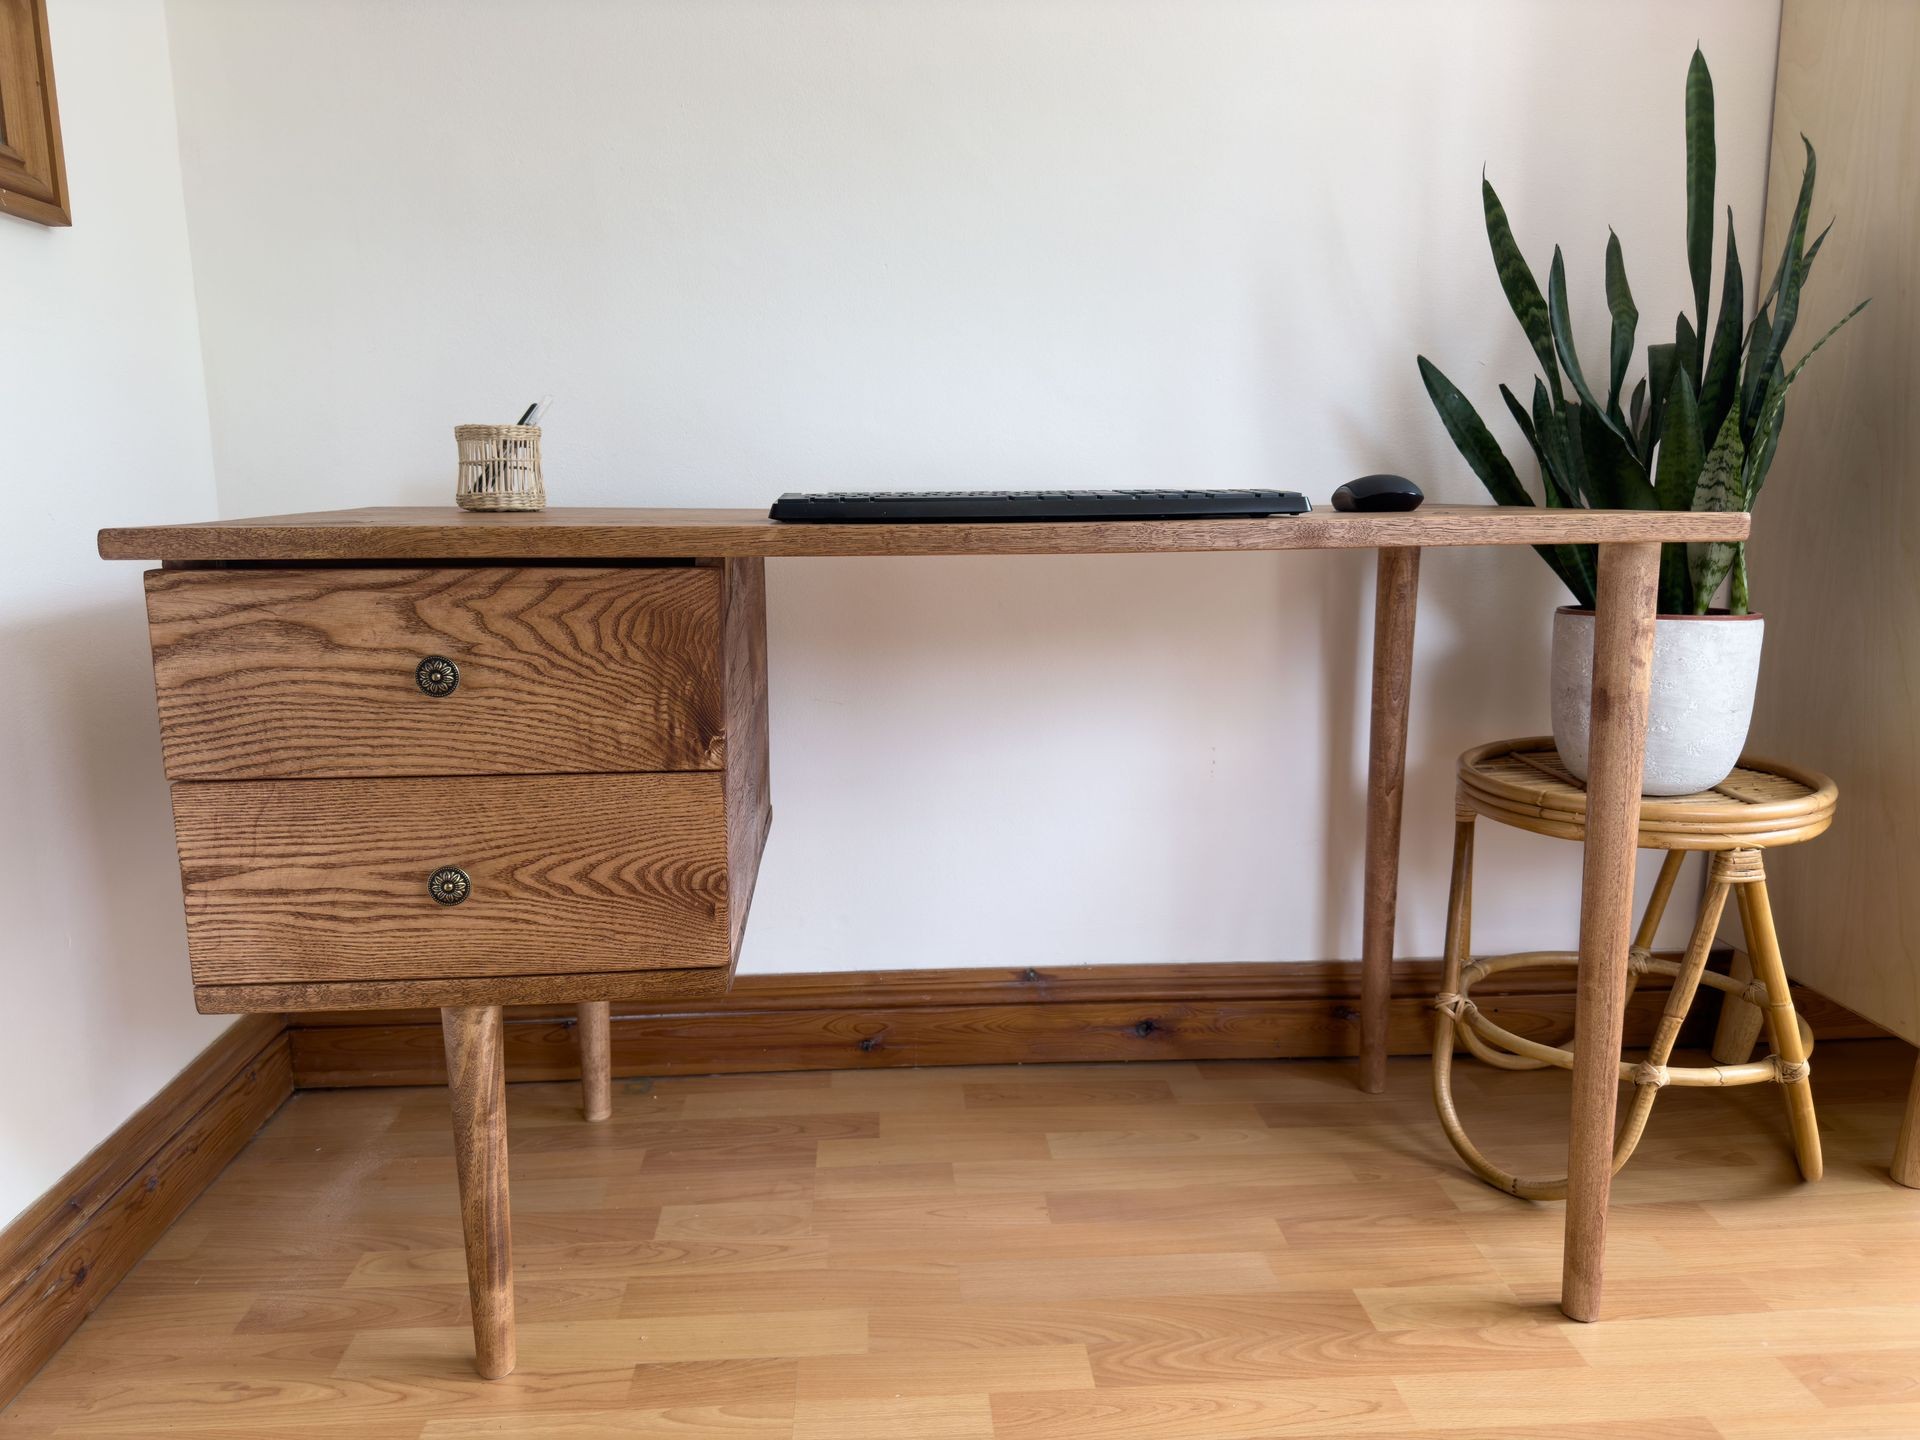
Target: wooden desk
613 661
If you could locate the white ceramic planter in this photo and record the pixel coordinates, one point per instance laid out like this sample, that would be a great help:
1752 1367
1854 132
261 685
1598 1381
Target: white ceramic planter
1705 668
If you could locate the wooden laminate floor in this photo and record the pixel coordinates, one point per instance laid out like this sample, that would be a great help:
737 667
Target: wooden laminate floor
1213 1251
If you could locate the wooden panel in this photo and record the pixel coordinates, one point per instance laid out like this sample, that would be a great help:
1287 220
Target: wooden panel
363 995
280 673
327 879
974 1017
749 799
67 1251
441 533
1833 556
33 167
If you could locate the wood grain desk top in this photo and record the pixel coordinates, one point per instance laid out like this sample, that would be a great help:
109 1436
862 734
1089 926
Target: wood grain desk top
433 532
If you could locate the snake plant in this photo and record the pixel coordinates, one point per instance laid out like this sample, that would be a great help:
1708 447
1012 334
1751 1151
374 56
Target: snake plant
1699 428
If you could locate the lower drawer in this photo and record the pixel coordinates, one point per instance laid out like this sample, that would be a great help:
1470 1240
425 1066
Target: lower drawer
328 880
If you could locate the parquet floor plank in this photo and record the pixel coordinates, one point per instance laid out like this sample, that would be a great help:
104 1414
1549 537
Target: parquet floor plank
1189 1251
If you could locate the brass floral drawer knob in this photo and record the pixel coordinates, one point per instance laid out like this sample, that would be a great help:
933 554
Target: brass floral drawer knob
436 675
449 885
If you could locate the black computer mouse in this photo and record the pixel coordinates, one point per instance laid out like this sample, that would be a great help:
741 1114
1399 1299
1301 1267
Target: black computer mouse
1378 492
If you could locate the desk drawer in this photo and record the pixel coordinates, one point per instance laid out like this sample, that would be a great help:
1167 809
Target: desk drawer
281 673
327 880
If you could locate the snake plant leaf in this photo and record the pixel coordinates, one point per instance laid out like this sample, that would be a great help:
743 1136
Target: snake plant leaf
1806 261
1614 479
1578 566
1565 472
1773 413
1686 349
1759 341
1636 407
1557 478
1476 443
1801 206
1701 161
1676 475
1524 421
1472 438
1794 269
1675 481
1722 383
1516 279
1661 366
1565 486
1563 342
1609 473
1676 580
1720 488
1759 460
1626 319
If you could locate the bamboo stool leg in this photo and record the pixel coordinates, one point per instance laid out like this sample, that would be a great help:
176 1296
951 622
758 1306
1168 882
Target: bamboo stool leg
1655 912
1650 1077
1489 1054
1446 1009
1740 1020
1763 947
1448 1027
1452 1022
596 1058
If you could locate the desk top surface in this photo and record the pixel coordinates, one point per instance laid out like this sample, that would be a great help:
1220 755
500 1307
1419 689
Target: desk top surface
615 533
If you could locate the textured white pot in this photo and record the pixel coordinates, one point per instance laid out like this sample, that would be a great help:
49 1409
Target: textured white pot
1705 668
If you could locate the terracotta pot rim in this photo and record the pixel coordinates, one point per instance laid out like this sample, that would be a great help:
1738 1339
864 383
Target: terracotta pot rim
1710 615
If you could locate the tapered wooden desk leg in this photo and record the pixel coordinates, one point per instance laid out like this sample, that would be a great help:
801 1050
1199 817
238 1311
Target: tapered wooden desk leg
596 1058
1396 595
1906 1153
1617 742
477 1088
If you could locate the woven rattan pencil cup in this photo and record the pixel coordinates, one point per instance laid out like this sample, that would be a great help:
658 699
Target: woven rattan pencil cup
499 468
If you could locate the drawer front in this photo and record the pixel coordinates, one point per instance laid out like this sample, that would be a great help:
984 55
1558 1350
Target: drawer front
285 673
317 880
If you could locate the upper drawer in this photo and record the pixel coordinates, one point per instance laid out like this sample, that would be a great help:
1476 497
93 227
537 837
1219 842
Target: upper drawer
275 673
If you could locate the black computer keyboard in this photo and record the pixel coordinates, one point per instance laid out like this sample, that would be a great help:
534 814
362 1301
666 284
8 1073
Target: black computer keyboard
933 506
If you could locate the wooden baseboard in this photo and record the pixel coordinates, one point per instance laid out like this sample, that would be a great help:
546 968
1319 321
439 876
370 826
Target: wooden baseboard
67 1251
977 1017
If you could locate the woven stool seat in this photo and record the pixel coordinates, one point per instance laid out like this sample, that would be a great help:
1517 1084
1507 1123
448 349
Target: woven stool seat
1762 804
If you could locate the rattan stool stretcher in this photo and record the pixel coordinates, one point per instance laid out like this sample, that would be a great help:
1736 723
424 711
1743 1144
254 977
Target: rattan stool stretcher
1761 805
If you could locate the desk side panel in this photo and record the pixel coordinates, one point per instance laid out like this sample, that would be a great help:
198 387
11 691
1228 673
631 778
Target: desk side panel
749 798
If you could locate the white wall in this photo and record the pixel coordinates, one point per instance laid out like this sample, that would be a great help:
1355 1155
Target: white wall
103 420
755 246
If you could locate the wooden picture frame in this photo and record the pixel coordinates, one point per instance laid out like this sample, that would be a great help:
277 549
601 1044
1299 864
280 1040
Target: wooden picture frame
33 168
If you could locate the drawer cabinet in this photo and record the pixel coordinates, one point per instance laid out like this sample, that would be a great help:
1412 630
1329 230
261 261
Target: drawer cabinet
579 753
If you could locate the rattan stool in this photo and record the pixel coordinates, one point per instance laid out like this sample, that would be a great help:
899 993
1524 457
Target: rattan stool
1762 804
